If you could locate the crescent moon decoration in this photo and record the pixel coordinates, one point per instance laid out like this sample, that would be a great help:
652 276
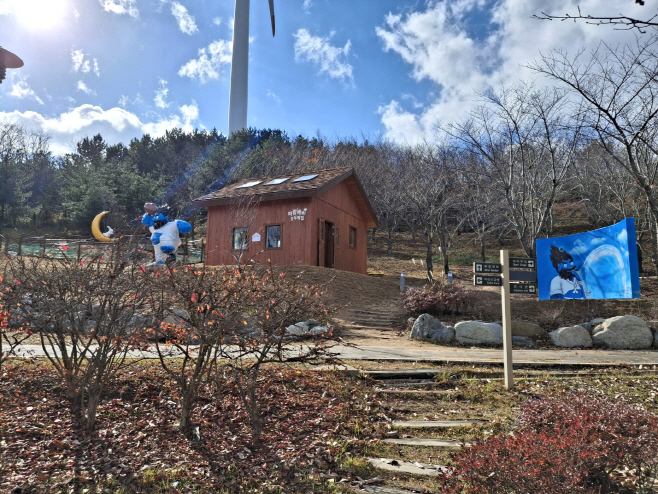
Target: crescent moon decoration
96 230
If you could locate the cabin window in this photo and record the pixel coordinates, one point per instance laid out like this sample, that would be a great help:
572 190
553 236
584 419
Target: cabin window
352 237
240 238
273 237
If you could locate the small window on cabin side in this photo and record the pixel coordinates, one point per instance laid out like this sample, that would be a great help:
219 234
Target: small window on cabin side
273 237
352 237
240 238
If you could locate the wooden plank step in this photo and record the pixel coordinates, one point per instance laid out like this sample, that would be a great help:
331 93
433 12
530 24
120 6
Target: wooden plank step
420 441
436 423
407 467
381 489
415 391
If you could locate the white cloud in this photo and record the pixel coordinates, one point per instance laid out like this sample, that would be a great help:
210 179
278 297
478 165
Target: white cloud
76 14
330 59
160 99
210 61
22 90
115 125
185 20
81 86
79 62
121 7
440 45
5 8
188 115
271 94
217 21
123 101
307 5
96 70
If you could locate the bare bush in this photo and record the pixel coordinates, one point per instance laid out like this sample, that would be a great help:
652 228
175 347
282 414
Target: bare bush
87 314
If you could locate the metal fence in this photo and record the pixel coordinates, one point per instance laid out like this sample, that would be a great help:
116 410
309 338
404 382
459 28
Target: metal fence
190 251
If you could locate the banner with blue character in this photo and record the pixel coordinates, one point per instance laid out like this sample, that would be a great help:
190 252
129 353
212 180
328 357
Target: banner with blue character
601 264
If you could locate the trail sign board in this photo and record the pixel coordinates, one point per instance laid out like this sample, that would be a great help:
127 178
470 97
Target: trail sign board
487 267
522 263
487 280
523 288
523 275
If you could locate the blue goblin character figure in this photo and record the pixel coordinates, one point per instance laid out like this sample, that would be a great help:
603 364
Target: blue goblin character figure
567 284
164 233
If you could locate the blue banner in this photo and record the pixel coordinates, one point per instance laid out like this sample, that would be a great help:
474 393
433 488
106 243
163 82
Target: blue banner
591 265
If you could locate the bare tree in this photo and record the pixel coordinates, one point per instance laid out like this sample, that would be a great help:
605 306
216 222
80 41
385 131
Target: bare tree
523 137
619 22
618 92
428 197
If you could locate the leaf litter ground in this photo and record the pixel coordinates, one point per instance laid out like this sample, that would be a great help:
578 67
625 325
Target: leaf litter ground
308 418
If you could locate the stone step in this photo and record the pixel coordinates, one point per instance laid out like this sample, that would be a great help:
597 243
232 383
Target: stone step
381 489
403 373
415 391
407 467
420 441
434 424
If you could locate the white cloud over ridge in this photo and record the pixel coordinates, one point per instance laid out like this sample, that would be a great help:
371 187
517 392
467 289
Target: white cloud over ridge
115 125
121 7
331 60
186 22
209 64
436 43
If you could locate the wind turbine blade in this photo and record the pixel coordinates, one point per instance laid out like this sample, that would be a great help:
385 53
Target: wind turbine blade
272 14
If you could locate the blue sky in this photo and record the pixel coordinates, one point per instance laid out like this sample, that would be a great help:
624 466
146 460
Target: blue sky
391 69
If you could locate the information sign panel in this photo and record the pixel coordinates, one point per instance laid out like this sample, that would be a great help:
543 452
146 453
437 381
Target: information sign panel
522 263
523 288
486 267
483 280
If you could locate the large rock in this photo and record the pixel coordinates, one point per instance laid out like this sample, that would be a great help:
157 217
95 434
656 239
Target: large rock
427 327
297 330
623 332
479 333
527 329
570 337
523 341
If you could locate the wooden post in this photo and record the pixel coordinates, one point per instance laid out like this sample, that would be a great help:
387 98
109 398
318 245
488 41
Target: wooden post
79 251
203 248
20 244
507 320
43 247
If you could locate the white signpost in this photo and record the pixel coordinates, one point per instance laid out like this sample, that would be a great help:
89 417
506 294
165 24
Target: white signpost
529 287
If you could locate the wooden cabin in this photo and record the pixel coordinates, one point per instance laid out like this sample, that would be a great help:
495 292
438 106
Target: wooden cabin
316 219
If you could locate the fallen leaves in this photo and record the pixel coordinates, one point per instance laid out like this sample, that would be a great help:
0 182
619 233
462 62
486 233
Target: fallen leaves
137 446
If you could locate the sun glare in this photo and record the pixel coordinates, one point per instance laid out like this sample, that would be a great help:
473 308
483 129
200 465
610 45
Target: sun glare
39 14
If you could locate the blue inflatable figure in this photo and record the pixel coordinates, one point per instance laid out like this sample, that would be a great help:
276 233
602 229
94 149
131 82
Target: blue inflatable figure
165 234
568 283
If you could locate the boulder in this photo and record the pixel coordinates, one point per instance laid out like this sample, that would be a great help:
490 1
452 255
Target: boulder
522 341
527 329
423 326
320 330
177 316
570 337
623 332
296 330
479 333
429 328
